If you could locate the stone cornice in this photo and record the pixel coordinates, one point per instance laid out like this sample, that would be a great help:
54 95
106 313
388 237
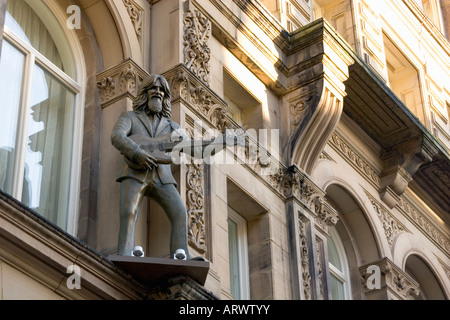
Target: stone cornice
355 158
44 252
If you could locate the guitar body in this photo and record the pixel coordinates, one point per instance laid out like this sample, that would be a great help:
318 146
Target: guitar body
154 147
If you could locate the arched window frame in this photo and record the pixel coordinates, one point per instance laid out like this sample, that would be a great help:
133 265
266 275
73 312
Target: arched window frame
344 274
75 85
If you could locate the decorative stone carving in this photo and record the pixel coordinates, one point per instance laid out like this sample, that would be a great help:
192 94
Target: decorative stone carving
298 108
179 288
395 282
325 214
420 219
292 182
119 81
353 157
136 15
127 79
198 97
196 207
304 258
107 88
320 274
392 227
197 31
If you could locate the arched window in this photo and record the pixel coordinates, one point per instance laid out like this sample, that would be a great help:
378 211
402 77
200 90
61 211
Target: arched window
338 266
40 91
429 286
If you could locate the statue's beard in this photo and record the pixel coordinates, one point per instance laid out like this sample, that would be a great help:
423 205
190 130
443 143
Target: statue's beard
155 105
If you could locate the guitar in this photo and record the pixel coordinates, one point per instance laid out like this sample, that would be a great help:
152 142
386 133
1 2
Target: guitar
161 147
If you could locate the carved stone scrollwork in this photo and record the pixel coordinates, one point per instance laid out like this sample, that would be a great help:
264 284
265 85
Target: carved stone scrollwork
195 203
292 182
392 227
197 31
326 215
127 79
198 97
320 273
395 282
136 15
304 259
107 88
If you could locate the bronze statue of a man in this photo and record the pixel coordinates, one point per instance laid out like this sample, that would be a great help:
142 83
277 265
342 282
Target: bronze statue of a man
142 175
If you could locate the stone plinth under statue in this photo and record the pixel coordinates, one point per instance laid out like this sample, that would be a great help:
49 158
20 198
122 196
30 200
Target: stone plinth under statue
150 270
168 279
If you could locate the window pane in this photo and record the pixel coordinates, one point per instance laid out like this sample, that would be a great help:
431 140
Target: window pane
49 148
25 22
337 288
11 74
333 254
234 259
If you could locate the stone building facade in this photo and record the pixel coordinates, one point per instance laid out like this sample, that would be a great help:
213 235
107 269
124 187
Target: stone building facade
342 191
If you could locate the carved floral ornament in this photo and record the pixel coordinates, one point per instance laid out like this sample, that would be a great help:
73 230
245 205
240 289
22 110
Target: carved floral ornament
397 281
195 204
304 258
136 15
119 81
198 98
391 226
197 32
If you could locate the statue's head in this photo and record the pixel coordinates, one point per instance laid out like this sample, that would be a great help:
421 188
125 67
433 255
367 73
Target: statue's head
154 96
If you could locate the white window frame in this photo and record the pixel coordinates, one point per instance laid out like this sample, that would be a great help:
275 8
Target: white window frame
242 246
344 275
76 86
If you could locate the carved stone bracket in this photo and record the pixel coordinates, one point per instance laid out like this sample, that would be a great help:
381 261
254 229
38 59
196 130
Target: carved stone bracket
119 81
395 284
314 120
401 165
317 93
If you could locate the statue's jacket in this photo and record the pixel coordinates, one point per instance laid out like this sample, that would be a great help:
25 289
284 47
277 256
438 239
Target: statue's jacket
137 123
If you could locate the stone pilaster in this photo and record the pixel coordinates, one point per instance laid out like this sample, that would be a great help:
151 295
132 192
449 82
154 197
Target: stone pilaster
309 216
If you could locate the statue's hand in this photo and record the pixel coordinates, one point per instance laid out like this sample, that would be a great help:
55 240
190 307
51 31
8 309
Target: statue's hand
145 160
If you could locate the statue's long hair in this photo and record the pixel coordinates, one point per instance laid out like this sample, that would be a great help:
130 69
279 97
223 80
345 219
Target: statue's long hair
140 103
